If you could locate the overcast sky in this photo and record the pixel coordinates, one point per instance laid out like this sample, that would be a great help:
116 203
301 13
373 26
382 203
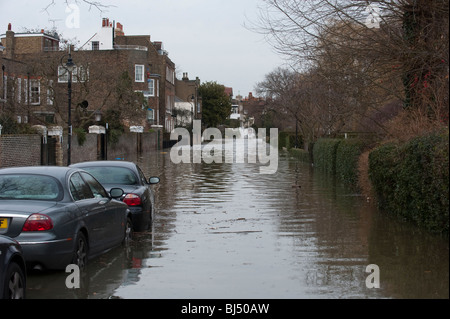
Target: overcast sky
206 38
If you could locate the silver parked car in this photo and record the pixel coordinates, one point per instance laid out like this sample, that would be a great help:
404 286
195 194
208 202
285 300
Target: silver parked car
60 215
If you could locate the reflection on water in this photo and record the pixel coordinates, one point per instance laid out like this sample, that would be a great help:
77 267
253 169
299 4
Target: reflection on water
226 231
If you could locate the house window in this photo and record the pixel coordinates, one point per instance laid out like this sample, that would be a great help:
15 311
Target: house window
19 90
35 92
95 45
80 74
25 90
150 115
151 87
139 73
63 75
50 93
170 75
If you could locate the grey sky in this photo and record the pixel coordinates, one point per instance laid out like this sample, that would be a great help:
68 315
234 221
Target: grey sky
205 38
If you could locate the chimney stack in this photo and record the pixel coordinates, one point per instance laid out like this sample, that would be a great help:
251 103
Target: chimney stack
119 29
10 43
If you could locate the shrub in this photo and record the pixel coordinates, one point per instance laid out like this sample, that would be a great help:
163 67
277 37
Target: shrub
347 155
287 140
300 154
324 154
81 135
411 180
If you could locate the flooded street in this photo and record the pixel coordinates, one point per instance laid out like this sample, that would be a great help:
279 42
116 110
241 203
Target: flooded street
226 231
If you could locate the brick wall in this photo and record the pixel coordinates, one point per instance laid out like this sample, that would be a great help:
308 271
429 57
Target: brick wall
20 150
25 150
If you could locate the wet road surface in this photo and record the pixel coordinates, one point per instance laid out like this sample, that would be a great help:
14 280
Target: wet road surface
226 231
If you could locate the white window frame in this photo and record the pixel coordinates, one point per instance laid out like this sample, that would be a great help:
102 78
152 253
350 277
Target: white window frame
50 93
80 74
25 90
35 95
63 75
150 114
19 90
151 87
95 45
139 73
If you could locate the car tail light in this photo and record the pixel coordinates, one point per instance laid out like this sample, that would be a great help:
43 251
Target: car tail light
132 200
38 222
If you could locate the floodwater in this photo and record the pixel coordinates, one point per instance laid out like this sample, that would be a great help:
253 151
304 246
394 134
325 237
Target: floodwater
227 231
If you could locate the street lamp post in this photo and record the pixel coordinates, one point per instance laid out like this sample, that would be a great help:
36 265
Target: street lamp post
69 67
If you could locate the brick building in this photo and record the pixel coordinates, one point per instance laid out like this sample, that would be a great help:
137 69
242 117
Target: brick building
187 99
129 74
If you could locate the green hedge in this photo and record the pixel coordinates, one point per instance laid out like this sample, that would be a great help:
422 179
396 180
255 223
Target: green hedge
411 180
300 154
324 154
339 157
287 140
347 156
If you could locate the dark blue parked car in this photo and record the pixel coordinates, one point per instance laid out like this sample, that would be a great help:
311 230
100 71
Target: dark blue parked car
13 278
128 176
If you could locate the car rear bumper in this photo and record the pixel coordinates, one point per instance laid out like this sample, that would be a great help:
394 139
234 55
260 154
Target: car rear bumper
141 219
47 254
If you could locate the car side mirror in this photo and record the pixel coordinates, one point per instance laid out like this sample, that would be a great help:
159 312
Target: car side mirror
116 193
153 180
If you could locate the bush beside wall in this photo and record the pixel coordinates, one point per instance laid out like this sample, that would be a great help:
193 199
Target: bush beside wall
411 180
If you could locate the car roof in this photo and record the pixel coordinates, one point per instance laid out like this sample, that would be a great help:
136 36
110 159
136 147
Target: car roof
56 171
127 164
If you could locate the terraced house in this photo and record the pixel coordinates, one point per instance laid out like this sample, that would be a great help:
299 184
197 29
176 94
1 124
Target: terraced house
129 79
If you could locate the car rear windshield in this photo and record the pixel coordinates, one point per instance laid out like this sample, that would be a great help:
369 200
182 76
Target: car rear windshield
113 175
32 187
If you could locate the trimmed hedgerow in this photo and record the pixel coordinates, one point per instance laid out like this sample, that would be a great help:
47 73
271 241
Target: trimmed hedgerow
324 154
411 180
347 155
300 154
287 140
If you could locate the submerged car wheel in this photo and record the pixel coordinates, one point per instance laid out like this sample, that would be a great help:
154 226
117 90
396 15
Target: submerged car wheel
15 282
81 252
128 232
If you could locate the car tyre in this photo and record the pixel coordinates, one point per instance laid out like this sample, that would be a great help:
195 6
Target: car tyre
80 254
128 237
15 282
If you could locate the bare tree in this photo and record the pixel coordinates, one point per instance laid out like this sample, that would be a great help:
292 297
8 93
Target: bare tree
91 4
371 51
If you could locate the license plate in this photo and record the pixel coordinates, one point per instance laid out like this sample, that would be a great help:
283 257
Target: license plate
3 223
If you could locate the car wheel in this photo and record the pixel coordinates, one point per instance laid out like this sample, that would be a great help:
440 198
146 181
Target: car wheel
128 232
81 252
14 283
